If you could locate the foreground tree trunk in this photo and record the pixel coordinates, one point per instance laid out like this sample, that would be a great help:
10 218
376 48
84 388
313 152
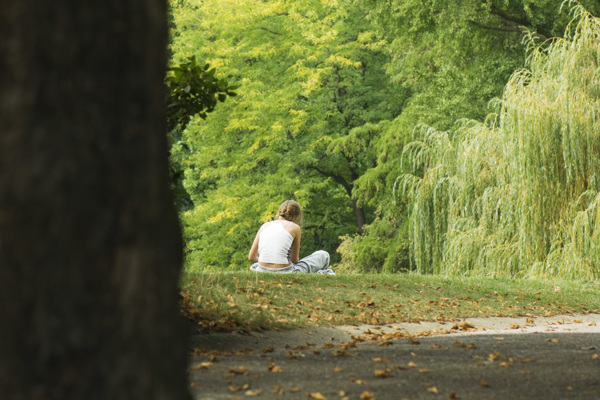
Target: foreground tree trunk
90 248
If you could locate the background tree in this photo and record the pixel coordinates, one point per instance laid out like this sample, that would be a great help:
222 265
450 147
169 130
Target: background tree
453 58
90 247
312 91
518 194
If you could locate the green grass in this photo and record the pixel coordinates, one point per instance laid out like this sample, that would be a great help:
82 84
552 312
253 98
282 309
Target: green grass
247 301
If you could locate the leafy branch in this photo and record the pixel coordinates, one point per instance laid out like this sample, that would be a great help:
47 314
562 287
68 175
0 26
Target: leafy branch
193 90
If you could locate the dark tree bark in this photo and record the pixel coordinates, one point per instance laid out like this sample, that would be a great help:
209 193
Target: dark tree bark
90 247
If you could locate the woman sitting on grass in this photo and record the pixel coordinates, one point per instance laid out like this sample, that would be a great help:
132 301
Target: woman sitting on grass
276 247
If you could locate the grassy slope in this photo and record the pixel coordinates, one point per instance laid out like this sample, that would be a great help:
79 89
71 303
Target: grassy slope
250 301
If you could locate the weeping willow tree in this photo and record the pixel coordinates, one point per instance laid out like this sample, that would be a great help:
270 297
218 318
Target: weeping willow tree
518 194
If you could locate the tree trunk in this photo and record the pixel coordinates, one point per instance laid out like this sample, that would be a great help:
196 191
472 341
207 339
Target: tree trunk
359 213
90 247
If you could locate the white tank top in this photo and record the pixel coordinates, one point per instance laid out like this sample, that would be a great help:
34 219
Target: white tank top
275 243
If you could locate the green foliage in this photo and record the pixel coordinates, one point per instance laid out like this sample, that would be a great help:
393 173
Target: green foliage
193 90
517 195
312 92
453 57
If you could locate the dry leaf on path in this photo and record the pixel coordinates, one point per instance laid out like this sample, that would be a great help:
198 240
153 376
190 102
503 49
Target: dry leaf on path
317 396
367 396
239 388
253 393
382 373
381 360
238 371
274 368
203 365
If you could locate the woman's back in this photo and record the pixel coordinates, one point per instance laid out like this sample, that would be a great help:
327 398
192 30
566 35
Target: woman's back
275 242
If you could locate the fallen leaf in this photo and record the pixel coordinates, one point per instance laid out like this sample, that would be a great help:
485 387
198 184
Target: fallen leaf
381 360
203 365
239 388
433 389
483 383
424 371
525 372
342 393
253 393
493 356
463 326
382 373
504 364
499 338
453 396
515 326
295 389
367 396
274 368
465 346
554 340
593 323
317 396
337 369
238 371
595 356
358 381
277 389
412 365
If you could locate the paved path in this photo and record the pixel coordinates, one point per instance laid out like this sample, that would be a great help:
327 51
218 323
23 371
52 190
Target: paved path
482 358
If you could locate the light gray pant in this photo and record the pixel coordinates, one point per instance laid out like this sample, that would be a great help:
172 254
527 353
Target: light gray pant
316 262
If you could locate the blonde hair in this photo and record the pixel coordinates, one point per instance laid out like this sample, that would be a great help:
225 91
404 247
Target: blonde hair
291 211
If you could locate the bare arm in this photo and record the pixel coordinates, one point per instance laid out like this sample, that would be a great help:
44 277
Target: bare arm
253 255
295 253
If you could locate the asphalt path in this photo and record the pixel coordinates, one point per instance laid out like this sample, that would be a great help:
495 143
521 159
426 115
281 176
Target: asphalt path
486 358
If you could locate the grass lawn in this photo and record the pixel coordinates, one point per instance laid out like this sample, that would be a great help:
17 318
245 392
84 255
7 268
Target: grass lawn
247 301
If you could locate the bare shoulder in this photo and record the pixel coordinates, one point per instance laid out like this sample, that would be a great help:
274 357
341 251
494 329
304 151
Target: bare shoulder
294 229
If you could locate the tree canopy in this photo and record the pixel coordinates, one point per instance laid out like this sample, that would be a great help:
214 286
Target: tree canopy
330 94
